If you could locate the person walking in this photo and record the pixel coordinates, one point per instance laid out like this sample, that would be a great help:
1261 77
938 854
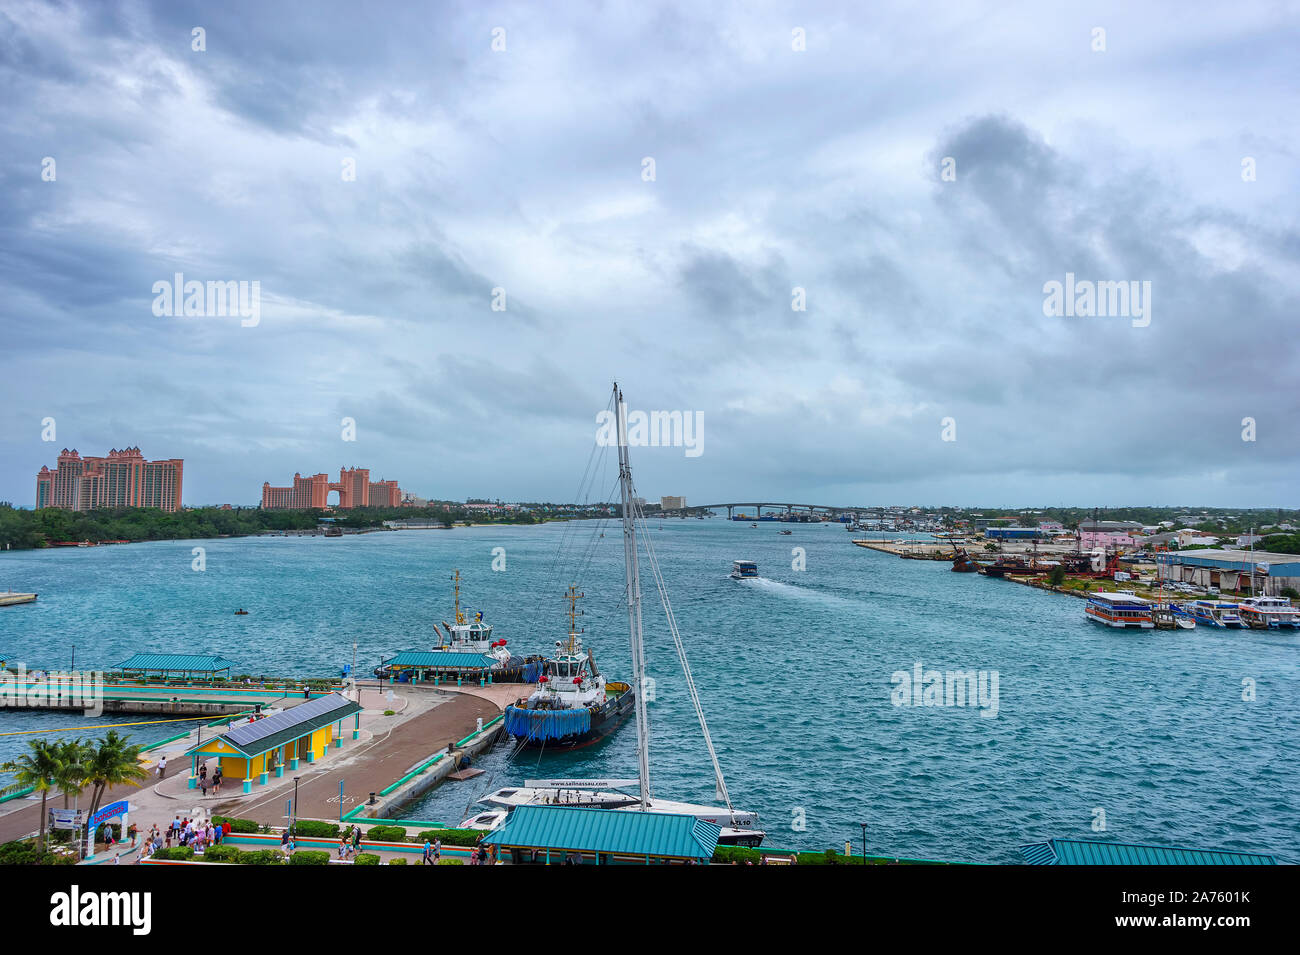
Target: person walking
162 768
428 853
356 838
437 851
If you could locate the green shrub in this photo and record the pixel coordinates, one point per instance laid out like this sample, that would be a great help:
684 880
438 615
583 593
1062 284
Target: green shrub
222 854
366 858
237 825
315 829
385 834
736 855
450 862
390 861
175 853
311 857
262 857
24 853
390 712
451 837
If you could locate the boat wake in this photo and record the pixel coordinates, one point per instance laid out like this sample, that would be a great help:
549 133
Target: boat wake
794 591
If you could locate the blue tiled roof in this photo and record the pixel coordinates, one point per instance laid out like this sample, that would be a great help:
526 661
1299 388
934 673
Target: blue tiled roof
657 834
1084 852
192 662
447 659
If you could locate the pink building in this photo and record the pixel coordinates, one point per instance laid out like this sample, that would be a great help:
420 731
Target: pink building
1109 535
354 487
123 479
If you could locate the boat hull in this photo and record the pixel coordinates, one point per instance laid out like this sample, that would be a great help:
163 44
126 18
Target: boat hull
534 731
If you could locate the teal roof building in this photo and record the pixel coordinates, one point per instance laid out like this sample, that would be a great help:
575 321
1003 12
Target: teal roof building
1085 852
554 835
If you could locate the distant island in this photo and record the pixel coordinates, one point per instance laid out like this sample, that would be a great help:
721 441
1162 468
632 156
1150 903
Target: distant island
23 529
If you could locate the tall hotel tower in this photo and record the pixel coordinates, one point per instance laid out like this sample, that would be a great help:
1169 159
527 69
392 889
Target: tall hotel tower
123 479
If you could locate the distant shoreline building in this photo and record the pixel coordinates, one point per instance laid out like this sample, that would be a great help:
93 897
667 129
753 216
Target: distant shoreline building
123 479
354 487
672 503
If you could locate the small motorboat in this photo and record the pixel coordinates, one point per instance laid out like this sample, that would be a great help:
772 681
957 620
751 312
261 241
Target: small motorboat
787 532
241 612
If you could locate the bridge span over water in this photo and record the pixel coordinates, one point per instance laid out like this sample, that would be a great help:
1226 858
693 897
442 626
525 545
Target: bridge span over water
790 509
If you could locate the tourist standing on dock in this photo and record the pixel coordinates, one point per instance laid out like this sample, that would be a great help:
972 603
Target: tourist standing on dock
437 851
428 852
356 838
162 768
216 780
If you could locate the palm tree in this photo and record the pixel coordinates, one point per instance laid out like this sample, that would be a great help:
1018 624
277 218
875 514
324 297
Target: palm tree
109 762
72 756
37 769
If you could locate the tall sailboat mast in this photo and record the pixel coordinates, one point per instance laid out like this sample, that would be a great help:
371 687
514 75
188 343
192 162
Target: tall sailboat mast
633 572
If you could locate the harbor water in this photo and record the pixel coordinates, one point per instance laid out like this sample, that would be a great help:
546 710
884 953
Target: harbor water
1184 738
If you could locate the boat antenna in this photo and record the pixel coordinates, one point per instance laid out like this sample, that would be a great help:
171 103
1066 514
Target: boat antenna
460 617
574 613
633 583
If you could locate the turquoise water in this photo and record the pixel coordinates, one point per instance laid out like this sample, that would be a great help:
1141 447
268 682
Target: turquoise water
795 671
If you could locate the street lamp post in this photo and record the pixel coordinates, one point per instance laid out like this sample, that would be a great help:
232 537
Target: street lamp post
294 818
864 842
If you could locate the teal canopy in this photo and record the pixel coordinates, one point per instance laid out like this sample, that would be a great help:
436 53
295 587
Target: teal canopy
1083 852
658 835
441 660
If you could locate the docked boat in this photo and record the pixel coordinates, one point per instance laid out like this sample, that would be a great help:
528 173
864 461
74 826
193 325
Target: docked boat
1120 610
1012 565
474 638
1170 616
739 828
1268 612
573 705
962 562
743 569
1217 613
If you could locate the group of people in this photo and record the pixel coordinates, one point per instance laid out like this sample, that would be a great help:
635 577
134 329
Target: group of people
196 833
214 782
350 843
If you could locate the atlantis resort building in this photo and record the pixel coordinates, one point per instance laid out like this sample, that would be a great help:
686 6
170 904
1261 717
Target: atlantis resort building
123 479
354 487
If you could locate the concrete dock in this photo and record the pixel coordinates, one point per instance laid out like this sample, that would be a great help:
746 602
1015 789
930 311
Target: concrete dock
401 729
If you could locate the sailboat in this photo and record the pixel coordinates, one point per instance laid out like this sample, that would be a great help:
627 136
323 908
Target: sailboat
738 827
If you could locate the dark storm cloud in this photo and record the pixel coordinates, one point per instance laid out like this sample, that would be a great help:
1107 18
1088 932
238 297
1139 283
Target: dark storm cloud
775 169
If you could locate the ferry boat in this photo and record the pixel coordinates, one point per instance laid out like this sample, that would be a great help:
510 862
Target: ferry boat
1268 612
1217 613
1120 610
573 705
739 828
742 569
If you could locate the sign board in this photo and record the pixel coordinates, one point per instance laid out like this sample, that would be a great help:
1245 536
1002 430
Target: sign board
67 818
108 812
580 783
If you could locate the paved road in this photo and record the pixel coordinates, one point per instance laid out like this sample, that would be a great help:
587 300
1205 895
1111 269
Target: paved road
378 764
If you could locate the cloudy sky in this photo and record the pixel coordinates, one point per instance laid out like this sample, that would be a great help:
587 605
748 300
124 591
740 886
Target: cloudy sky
1169 157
